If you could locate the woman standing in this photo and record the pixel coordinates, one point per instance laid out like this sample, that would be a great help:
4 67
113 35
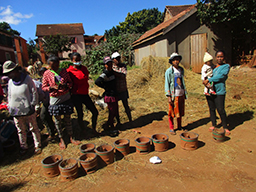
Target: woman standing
22 98
79 75
220 75
58 83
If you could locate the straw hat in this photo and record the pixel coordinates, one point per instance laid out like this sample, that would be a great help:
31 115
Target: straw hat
207 57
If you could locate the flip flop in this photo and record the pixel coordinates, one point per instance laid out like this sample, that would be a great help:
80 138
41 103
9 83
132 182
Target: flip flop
62 147
227 132
172 132
211 129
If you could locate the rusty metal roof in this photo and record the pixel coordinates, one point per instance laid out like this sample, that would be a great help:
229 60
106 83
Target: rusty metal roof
64 29
175 10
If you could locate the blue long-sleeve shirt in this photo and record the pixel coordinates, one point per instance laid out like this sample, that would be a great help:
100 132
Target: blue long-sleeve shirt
220 75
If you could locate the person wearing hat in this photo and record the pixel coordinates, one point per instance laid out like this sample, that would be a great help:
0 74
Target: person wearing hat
80 91
206 72
175 91
120 72
107 81
22 98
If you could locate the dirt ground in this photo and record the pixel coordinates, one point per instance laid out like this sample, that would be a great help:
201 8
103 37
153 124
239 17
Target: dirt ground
227 166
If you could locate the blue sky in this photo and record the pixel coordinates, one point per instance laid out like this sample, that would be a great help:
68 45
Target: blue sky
96 16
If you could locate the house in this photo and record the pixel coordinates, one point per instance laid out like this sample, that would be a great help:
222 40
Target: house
14 48
73 30
92 41
182 32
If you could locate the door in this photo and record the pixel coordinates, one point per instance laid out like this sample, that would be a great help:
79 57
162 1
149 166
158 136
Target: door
198 47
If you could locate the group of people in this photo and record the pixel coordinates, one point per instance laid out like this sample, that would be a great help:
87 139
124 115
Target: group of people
213 78
61 90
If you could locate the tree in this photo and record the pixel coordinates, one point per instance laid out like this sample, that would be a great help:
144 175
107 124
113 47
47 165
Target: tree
32 49
240 16
6 27
56 44
122 43
137 22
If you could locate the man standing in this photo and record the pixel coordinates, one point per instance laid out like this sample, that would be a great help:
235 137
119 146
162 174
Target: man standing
120 72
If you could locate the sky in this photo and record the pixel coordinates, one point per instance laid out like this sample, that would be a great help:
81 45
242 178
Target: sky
96 16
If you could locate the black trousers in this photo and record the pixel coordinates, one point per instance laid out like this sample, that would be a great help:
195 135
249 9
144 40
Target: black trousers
46 118
78 101
217 102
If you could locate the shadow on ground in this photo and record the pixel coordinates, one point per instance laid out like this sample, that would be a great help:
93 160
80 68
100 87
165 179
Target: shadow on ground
144 120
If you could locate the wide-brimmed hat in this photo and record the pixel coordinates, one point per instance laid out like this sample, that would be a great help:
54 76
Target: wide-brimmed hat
115 55
207 57
173 55
9 66
106 59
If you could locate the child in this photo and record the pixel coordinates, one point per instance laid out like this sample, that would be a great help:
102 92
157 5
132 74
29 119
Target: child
22 98
175 91
107 81
207 73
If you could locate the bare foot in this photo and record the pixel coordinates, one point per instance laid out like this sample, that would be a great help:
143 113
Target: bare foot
75 142
62 144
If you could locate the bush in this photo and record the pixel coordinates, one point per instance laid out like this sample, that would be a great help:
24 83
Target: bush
65 64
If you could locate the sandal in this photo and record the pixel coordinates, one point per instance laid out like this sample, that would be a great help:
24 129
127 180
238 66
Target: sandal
172 132
211 129
75 142
227 132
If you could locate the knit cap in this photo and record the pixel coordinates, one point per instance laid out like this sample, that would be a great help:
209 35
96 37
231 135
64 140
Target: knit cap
207 57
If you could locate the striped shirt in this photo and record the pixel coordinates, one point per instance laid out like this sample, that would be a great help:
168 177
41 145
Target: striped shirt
120 73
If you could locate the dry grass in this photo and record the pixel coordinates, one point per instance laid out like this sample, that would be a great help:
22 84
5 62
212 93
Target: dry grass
146 90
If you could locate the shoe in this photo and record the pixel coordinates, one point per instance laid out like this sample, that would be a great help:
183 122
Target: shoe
172 132
207 94
212 92
23 151
38 151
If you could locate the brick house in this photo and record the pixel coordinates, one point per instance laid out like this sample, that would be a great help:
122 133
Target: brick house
14 48
73 30
182 32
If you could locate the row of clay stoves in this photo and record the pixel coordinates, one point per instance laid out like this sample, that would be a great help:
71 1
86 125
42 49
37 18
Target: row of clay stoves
92 156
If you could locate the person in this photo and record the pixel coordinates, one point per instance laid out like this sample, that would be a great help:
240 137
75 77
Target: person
37 65
57 82
107 81
22 98
206 72
120 72
220 75
80 75
175 91
43 114
1 94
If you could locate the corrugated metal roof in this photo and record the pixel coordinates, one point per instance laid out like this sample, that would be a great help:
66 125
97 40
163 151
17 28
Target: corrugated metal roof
162 26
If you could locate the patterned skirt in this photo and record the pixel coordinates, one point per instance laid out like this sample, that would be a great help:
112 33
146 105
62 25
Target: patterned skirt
66 107
178 109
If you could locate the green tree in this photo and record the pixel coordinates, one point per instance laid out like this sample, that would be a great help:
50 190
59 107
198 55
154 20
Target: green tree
240 16
6 27
56 43
137 22
32 49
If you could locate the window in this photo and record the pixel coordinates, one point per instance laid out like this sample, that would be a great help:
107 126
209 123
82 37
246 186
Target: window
73 40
